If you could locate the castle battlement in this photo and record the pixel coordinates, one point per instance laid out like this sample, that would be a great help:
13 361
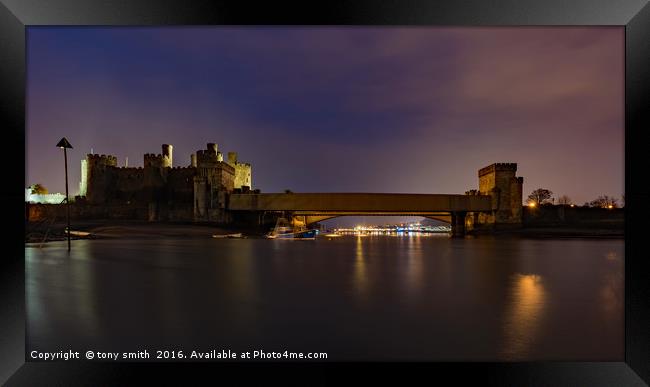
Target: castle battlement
98 157
208 157
123 168
152 160
501 167
97 160
163 189
128 168
206 154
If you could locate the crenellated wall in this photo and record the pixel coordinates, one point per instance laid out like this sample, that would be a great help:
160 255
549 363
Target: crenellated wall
197 191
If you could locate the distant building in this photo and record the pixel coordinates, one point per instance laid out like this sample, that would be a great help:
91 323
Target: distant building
55 198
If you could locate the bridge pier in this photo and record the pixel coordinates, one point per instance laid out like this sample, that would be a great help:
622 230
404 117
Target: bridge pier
458 224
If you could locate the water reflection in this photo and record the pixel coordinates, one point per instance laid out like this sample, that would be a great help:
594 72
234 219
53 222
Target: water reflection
243 273
415 297
524 315
414 272
75 280
612 256
611 292
360 270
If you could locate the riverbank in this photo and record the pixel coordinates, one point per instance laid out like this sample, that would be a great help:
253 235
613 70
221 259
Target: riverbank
123 229
558 232
109 229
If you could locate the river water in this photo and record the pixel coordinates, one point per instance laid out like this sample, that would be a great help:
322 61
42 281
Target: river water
429 298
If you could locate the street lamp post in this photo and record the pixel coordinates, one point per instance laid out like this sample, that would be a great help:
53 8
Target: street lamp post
64 144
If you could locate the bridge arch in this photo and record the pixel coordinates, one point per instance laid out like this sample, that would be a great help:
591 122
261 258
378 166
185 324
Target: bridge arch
496 202
309 208
311 219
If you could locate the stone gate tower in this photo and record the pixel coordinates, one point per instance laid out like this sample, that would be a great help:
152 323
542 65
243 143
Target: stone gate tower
499 181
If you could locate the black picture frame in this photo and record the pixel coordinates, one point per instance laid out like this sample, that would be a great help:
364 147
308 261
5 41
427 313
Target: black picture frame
16 15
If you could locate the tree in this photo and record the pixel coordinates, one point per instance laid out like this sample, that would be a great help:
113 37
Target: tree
38 189
564 200
540 196
604 201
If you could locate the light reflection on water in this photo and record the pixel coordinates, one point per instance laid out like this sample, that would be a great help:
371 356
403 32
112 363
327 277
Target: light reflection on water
525 311
612 287
410 297
360 270
414 270
70 289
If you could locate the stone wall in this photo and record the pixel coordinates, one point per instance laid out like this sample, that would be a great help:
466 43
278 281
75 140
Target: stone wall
126 185
554 216
83 211
78 211
180 184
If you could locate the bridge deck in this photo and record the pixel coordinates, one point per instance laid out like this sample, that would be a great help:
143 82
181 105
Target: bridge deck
359 203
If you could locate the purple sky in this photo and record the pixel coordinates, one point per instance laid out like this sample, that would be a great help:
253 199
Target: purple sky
337 109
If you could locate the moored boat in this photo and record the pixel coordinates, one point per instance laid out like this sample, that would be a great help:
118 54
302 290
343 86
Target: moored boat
284 231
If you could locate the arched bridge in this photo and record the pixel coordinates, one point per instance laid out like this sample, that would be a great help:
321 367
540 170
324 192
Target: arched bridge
313 207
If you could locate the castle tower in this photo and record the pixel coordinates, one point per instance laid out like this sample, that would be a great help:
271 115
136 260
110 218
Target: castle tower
499 181
83 184
193 160
155 173
213 180
167 155
242 171
98 178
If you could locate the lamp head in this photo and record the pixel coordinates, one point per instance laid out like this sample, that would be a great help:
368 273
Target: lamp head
64 144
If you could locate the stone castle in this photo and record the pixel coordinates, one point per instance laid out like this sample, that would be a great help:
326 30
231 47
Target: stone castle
196 192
